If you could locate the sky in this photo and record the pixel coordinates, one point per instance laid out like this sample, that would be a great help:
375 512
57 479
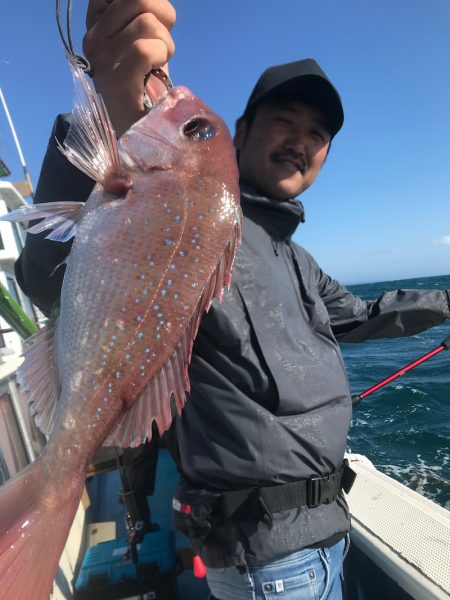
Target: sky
380 208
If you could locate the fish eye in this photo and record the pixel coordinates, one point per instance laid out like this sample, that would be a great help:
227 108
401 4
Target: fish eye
198 129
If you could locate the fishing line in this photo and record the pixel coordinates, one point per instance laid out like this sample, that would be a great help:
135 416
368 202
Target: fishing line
66 37
83 63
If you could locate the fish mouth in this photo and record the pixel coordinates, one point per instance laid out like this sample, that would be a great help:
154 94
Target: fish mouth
171 97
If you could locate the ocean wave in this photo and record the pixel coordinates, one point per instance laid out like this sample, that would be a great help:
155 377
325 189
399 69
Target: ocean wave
427 480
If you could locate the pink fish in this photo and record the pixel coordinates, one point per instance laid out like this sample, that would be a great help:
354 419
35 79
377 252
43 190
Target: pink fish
153 245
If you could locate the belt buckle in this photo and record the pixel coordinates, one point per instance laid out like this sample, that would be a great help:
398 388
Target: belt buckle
260 505
313 492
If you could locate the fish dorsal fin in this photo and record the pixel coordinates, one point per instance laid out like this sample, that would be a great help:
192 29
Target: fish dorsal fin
91 143
172 381
60 218
37 377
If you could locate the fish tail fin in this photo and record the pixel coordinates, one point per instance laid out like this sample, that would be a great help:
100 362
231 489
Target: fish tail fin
34 525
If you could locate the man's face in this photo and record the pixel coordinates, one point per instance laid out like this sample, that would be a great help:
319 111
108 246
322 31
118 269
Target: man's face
282 151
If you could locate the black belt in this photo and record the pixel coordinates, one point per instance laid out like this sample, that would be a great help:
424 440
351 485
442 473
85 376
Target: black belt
264 501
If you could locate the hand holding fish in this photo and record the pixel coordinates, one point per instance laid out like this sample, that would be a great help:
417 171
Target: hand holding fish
124 41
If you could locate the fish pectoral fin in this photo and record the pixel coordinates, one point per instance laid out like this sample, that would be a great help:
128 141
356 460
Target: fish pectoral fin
60 218
38 379
91 143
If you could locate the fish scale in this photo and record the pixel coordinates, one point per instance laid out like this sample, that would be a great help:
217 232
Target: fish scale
145 264
147 281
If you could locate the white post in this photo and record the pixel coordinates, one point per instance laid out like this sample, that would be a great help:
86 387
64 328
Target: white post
16 140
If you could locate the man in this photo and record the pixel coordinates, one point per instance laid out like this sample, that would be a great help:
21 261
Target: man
261 440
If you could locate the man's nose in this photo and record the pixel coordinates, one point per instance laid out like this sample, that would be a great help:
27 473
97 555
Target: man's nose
296 140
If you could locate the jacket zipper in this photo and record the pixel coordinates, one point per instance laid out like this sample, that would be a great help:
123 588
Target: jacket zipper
275 246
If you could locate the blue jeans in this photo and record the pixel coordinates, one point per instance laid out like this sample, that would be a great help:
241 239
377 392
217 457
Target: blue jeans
304 575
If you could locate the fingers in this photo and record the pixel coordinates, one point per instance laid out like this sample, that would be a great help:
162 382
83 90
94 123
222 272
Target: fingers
144 37
124 41
95 9
115 14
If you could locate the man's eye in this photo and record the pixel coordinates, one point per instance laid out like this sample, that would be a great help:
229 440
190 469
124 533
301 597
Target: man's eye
318 135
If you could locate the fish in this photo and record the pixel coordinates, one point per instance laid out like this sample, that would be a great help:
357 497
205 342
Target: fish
153 245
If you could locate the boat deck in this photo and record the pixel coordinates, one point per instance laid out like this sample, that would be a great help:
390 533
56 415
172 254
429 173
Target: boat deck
400 541
406 535
104 490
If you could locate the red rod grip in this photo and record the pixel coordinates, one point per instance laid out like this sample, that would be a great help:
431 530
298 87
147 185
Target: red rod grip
198 567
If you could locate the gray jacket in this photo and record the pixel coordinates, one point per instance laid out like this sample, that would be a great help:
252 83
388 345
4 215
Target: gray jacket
270 399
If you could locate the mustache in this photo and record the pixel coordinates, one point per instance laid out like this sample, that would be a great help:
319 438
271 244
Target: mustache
290 155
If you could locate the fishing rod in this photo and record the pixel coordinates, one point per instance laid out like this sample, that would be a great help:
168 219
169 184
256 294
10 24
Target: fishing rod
444 345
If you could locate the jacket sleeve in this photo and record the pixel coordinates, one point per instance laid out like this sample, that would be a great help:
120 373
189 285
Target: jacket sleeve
59 181
394 314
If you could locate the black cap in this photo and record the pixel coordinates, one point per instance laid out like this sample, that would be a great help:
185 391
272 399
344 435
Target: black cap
307 80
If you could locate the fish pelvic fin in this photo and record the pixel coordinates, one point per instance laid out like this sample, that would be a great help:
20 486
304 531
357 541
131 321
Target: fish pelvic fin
33 530
38 379
59 218
91 143
165 394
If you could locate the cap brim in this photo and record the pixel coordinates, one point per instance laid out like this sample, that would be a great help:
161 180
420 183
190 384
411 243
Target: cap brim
314 90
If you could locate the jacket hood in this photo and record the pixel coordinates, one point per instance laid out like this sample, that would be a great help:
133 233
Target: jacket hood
279 218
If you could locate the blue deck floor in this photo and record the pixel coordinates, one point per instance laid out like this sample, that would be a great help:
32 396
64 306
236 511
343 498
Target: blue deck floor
104 493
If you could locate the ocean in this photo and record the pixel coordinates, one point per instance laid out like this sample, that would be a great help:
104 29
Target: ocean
404 428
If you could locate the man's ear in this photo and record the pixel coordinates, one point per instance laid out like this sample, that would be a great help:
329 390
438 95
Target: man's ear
240 133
